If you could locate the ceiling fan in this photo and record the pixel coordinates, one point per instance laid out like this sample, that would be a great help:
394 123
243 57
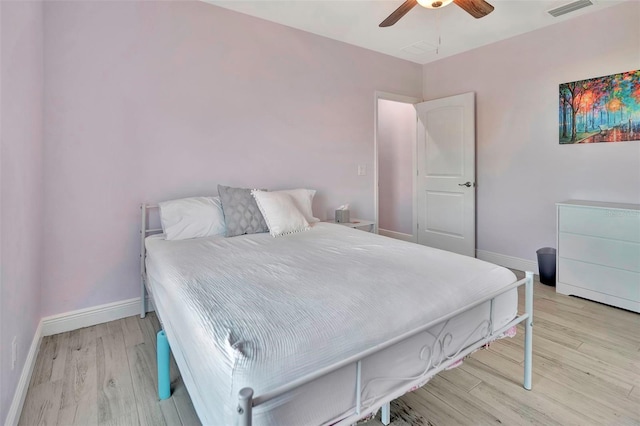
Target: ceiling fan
476 8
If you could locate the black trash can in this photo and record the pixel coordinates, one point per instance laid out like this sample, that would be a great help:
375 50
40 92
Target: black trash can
547 265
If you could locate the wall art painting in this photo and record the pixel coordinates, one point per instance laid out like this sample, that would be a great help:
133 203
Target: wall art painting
603 109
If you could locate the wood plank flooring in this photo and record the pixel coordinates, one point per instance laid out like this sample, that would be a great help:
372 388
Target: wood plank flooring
586 371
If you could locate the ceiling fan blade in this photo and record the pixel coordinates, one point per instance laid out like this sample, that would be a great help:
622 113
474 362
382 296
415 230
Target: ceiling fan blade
398 13
475 8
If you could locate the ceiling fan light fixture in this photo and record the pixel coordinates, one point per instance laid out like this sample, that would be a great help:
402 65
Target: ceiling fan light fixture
434 4
475 8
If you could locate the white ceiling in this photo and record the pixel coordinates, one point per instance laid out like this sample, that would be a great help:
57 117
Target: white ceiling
356 22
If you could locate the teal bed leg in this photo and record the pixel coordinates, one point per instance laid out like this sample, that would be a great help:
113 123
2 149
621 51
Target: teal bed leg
164 384
385 416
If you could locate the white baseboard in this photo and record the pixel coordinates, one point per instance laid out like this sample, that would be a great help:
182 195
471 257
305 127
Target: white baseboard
74 320
508 261
397 235
13 416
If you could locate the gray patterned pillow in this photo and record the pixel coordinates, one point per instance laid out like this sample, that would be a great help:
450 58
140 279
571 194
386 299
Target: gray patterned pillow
241 213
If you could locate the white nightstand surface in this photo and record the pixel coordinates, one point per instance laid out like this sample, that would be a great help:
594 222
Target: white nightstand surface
357 223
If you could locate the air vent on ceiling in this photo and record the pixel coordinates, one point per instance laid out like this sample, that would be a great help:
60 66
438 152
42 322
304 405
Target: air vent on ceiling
569 7
420 48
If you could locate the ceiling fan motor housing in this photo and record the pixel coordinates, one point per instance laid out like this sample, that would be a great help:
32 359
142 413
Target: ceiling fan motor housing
434 4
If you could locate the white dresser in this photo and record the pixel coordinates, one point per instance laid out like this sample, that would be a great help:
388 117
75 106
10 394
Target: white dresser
598 255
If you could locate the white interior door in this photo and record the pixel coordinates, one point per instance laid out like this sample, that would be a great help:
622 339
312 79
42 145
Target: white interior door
446 194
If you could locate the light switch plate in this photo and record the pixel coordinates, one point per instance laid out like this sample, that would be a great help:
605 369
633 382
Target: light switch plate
14 352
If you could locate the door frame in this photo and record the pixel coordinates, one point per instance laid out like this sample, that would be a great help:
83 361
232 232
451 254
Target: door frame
407 100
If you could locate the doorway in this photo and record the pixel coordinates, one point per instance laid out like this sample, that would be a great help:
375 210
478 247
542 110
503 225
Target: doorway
395 165
425 170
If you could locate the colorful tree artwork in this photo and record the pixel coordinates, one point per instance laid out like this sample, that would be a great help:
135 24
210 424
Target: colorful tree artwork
603 109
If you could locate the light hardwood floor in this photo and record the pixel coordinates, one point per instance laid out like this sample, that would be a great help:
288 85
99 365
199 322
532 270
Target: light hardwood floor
586 370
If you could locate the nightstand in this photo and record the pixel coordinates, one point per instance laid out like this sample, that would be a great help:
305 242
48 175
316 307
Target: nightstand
365 225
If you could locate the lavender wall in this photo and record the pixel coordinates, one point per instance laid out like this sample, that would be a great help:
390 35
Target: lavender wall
522 171
396 137
146 101
21 80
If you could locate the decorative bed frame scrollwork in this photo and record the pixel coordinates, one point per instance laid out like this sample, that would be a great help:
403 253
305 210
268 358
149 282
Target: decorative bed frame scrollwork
437 355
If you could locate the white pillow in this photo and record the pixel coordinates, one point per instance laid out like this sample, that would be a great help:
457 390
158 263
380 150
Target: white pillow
280 212
303 198
193 217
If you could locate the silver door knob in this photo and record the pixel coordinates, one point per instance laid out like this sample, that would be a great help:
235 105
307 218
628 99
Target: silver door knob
467 184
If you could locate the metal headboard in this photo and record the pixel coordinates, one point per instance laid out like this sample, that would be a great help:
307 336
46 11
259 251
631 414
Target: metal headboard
144 233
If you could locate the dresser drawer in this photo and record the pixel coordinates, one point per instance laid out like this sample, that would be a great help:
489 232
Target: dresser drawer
615 282
599 222
601 251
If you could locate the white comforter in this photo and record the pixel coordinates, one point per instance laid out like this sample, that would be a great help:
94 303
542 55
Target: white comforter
259 311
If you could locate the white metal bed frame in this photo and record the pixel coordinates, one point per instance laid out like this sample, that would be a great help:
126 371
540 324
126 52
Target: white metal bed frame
436 362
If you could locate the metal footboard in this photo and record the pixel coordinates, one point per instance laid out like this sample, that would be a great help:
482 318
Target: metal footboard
247 400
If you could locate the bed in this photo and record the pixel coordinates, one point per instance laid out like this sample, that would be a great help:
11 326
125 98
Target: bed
325 326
